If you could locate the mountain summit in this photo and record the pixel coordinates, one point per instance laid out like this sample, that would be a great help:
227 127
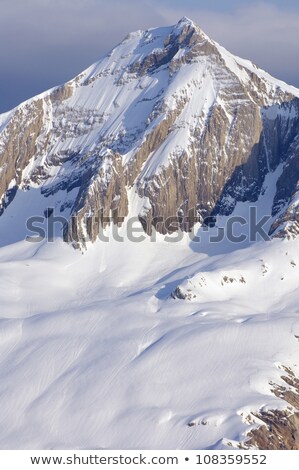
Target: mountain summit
168 124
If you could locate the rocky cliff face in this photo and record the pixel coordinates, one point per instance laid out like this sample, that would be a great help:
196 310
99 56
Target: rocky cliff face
167 115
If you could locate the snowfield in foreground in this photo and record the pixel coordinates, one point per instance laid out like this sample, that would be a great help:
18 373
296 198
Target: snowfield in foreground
95 353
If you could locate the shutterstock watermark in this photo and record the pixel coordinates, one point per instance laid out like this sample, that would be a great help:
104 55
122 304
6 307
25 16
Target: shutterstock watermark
234 228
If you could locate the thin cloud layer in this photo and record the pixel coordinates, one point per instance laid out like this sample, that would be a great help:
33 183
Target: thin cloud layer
46 42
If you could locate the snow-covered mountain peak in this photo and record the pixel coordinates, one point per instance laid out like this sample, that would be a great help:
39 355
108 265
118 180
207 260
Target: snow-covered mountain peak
186 21
169 116
125 347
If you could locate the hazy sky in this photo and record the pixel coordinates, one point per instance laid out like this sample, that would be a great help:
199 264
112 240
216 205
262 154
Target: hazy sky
47 42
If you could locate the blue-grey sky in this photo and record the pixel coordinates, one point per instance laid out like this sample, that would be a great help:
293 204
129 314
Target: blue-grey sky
47 42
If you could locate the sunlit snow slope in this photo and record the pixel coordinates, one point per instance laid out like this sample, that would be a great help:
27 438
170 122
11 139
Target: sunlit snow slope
95 353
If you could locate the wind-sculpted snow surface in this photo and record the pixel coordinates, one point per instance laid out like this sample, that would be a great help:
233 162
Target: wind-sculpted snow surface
95 352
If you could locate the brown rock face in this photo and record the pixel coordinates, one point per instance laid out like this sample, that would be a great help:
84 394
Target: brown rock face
167 114
101 194
19 146
285 205
281 429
